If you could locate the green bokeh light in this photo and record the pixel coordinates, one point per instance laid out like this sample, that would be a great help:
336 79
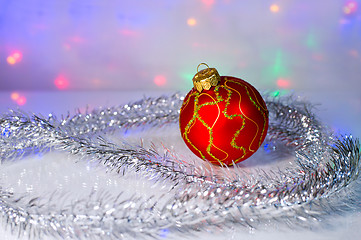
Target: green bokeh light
311 41
187 81
279 69
187 76
277 62
279 93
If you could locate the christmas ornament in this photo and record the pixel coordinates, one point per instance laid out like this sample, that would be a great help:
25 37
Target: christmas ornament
223 119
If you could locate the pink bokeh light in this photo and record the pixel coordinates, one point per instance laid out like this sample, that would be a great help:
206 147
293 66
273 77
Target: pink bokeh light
160 80
14 57
21 100
128 32
283 83
208 3
61 82
350 7
18 98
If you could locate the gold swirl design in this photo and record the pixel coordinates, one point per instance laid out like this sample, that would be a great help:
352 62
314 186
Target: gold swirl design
261 107
196 116
240 109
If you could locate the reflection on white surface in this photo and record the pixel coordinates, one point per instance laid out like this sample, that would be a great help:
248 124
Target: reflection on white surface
73 179
60 173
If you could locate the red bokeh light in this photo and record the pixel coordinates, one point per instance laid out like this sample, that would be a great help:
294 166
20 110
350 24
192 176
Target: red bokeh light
21 100
208 3
350 7
61 82
18 98
128 32
77 39
160 80
283 83
15 57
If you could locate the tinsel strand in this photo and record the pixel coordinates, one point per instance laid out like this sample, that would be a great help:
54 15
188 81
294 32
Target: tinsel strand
200 197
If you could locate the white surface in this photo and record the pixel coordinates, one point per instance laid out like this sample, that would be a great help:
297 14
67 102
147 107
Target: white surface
340 110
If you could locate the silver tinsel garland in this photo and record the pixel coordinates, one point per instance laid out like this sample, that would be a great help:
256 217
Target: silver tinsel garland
321 182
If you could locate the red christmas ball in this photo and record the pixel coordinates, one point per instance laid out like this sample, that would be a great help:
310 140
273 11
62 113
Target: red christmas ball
223 119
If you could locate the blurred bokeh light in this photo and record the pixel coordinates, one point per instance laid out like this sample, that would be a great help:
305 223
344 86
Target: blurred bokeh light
124 45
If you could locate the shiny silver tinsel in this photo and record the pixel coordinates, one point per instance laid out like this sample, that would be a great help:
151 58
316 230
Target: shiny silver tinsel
200 196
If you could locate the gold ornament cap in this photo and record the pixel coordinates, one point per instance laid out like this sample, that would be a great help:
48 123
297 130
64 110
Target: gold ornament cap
206 78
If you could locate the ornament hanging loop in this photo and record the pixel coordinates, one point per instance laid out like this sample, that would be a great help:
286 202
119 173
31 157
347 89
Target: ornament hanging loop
201 65
206 78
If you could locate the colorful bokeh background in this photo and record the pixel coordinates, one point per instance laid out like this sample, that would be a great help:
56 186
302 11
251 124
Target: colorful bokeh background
279 46
127 45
